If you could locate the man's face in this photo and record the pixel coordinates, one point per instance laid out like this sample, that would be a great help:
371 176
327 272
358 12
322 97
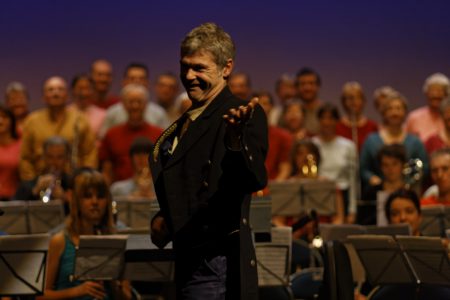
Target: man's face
101 74
137 76
286 90
83 91
440 172
55 158
55 92
17 102
134 102
202 78
166 90
307 87
392 168
327 124
435 94
240 86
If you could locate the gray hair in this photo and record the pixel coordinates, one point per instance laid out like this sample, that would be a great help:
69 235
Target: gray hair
133 87
385 91
16 86
212 38
439 79
56 141
391 98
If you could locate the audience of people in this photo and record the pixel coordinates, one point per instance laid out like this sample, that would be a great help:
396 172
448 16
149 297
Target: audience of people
308 139
392 131
56 119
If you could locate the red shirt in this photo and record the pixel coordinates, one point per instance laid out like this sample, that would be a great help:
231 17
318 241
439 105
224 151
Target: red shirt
280 143
434 142
9 168
344 130
433 200
106 103
115 146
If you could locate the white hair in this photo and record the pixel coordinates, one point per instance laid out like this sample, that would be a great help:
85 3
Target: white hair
133 87
439 79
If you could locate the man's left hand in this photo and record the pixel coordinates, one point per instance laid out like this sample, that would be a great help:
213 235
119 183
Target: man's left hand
236 120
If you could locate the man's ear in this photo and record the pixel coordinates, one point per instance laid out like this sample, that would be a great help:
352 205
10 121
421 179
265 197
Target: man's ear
226 71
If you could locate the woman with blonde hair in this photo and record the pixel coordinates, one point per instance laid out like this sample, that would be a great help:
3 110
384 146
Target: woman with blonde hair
90 214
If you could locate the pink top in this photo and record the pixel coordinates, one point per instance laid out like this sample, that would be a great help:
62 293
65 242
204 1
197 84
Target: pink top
423 123
9 168
94 114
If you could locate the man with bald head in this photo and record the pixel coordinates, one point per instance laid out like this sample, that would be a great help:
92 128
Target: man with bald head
115 146
101 74
56 120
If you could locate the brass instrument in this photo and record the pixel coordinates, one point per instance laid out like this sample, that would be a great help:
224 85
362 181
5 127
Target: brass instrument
309 169
412 172
47 193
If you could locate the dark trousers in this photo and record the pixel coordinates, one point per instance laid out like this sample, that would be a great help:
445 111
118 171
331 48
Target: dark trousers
203 278
211 272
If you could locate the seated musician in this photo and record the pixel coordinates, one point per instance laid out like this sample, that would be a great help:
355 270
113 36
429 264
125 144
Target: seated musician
90 213
403 207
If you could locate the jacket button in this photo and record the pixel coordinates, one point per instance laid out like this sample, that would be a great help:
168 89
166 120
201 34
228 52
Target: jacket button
252 263
246 148
209 162
205 184
244 221
250 157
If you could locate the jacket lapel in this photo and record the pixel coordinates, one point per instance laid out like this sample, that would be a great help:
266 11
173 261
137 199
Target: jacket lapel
198 128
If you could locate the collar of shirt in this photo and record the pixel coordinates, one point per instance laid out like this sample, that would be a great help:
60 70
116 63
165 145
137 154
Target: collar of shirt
196 112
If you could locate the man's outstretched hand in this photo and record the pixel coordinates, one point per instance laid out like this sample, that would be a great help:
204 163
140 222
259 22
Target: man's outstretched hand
236 120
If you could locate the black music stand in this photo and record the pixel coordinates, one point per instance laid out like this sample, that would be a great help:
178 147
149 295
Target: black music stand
261 217
43 217
403 260
136 213
146 262
14 219
435 220
100 257
22 264
291 198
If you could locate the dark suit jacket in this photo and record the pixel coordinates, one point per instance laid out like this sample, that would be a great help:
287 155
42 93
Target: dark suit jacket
204 188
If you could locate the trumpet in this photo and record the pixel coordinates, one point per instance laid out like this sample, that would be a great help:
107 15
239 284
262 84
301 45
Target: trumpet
309 169
46 193
412 172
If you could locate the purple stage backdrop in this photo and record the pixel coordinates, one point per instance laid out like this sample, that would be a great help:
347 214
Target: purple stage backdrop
397 43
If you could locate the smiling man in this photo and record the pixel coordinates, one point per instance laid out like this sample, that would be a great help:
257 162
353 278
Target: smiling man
205 167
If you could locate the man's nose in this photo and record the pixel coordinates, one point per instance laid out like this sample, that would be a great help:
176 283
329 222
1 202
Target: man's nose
190 74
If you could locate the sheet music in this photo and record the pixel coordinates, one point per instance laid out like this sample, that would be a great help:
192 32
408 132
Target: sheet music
100 257
25 255
381 202
272 264
43 217
260 214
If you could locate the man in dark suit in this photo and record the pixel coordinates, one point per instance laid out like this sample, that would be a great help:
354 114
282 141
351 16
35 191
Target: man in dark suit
205 167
